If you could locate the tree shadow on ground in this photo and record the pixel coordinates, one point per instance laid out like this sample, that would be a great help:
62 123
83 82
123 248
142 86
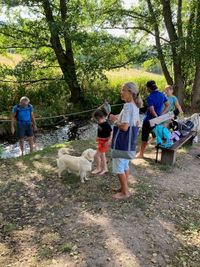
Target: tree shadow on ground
45 220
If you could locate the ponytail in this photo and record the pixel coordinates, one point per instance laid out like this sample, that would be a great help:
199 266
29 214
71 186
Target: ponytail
133 88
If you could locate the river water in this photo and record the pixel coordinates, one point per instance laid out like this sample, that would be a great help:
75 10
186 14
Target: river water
77 130
70 131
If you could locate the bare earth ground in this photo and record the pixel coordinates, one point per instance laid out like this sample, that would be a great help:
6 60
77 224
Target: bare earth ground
46 221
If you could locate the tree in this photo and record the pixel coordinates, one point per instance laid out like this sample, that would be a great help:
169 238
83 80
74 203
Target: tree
175 27
61 34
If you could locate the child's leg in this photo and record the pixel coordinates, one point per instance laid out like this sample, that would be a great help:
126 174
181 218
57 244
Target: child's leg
98 162
103 163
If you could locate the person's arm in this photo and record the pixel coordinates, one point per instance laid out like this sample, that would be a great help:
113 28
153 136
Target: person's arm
13 121
113 118
166 108
33 121
110 138
178 106
122 126
152 111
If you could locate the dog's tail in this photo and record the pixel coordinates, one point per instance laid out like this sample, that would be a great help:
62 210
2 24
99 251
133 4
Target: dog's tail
62 151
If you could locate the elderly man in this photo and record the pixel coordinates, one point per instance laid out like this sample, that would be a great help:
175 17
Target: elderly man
23 122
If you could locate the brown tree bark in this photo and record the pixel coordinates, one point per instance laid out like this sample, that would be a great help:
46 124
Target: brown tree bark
161 56
65 56
196 85
196 90
174 42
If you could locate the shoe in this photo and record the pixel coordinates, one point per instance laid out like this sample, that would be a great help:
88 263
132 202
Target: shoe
198 156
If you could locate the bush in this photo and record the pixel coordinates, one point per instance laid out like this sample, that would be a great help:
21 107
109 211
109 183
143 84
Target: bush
96 92
52 98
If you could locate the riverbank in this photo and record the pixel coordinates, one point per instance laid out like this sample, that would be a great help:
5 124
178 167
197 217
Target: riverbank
46 221
81 130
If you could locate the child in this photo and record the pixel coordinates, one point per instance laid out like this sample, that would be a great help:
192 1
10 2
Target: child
173 101
104 136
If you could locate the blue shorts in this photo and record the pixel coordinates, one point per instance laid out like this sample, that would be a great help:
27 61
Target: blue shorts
120 165
24 129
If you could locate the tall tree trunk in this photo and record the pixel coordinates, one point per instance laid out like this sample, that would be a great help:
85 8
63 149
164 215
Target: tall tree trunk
196 90
196 84
65 56
174 41
161 56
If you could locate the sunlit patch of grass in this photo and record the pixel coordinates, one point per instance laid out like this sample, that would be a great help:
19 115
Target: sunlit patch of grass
118 77
10 59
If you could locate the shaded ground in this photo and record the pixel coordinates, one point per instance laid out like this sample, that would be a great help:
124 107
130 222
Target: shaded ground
46 221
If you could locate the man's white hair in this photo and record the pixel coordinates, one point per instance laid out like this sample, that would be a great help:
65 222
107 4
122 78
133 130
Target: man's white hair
24 98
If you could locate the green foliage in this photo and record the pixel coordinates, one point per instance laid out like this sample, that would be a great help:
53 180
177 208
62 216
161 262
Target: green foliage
8 228
98 91
152 65
51 98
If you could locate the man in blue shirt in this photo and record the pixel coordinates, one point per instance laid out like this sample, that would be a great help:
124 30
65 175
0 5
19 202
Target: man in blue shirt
23 122
155 102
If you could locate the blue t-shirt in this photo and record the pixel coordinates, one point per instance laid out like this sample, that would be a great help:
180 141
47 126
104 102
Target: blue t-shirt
157 100
172 101
23 113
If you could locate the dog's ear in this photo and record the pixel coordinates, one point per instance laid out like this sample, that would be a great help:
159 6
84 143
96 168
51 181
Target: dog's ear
92 154
89 154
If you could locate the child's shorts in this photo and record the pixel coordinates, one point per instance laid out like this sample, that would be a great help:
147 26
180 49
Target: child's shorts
102 144
119 165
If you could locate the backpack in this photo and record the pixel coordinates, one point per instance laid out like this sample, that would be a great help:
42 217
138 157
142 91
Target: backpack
183 127
18 110
163 136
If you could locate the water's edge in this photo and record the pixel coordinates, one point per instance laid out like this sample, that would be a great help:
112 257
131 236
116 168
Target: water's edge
70 131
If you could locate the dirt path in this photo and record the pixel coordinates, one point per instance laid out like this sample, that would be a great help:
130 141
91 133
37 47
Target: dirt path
46 221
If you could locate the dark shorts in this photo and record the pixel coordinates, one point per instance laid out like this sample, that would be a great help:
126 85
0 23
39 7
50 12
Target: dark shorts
146 130
24 129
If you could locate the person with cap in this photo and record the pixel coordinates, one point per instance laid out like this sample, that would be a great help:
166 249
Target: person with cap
155 102
23 122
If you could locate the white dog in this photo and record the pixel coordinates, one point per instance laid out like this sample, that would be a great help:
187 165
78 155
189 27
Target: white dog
80 165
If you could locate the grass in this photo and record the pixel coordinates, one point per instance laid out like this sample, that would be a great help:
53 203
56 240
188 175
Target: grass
70 220
8 228
66 248
143 195
140 77
10 60
45 253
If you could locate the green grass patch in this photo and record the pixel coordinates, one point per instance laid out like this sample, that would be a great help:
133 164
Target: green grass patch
143 194
66 247
165 168
45 253
9 228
